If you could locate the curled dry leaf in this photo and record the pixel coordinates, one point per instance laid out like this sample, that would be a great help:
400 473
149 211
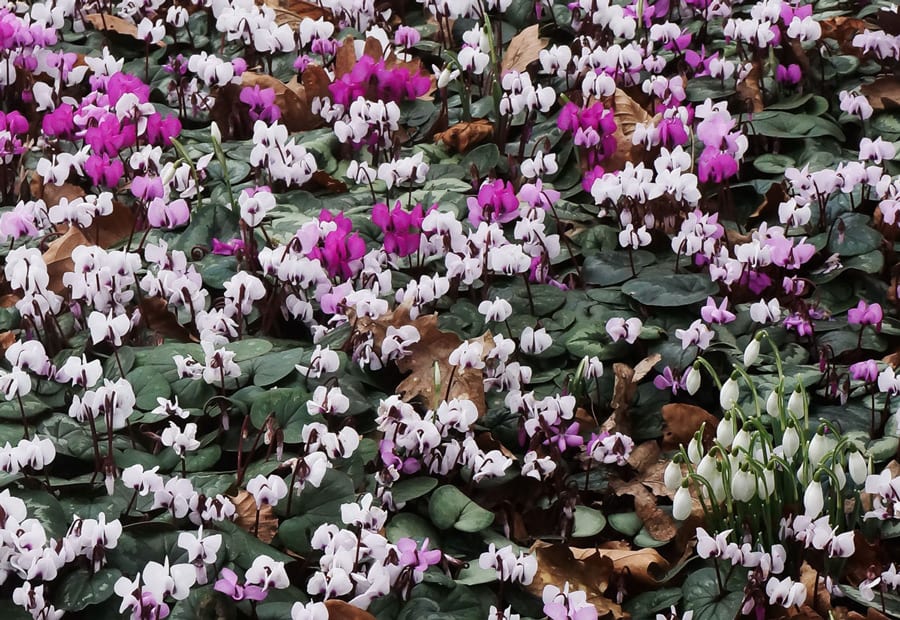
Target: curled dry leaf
463 136
340 610
817 595
682 421
749 90
628 113
524 48
111 23
883 93
842 29
292 12
659 523
557 564
245 517
344 58
624 390
58 256
295 99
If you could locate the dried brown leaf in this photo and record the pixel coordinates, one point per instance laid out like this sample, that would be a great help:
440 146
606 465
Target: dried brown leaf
557 565
434 346
749 90
883 93
628 113
340 610
51 193
112 23
817 595
58 256
292 12
7 339
682 421
162 321
636 564
463 136
245 517
295 103
344 58
524 48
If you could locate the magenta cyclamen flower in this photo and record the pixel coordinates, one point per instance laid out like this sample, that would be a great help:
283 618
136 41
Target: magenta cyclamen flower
227 248
340 249
262 103
864 314
228 584
104 171
402 229
496 202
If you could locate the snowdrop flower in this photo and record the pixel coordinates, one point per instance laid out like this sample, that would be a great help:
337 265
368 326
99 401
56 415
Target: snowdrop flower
729 393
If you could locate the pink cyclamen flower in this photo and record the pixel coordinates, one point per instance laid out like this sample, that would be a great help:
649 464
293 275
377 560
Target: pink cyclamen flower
228 584
864 371
168 215
716 314
418 559
866 314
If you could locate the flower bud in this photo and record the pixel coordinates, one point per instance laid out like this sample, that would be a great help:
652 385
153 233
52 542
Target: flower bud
795 402
215 132
743 485
772 403
819 447
729 394
725 430
838 470
813 499
790 442
672 475
859 468
751 353
692 382
741 441
695 450
681 505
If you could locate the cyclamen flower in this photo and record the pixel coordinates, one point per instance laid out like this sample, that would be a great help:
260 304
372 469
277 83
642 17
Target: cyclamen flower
496 202
866 314
261 102
402 229
629 329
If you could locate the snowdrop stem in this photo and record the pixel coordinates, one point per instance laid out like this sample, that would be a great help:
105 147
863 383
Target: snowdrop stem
711 371
752 385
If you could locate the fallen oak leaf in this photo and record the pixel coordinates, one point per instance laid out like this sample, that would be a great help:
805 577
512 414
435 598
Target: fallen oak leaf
883 93
294 101
58 256
749 89
591 574
523 49
341 610
636 564
245 517
465 135
628 113
112 23
682 421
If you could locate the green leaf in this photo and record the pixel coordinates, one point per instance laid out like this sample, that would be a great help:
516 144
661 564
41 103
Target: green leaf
614 267
770 163
891 600
645 605
80 589
588 522
701 591
317 506
857 237
411 488
9 409
249 348
46 509
289 408
408 525
450 507
273 367
628 523
671 290
149 384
